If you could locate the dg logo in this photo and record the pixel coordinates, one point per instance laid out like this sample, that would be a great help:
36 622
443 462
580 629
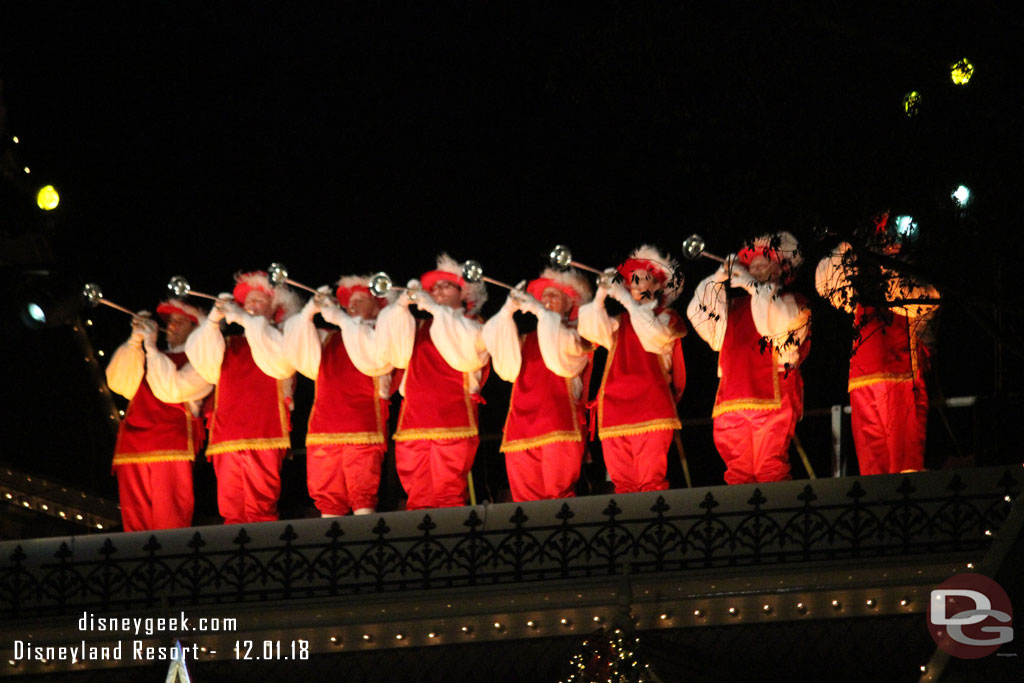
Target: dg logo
970 616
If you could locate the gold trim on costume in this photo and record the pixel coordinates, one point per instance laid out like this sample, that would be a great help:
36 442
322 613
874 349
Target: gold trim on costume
877 378
735 404
360 438
248 444
152 456
666 423
542 440
435 433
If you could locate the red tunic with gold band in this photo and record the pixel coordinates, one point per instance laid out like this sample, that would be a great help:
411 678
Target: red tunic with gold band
542 409
347 408
635 395
885 351
438 402
749 367
249 412
154 431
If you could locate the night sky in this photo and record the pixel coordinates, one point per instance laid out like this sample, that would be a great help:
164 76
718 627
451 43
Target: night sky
204 138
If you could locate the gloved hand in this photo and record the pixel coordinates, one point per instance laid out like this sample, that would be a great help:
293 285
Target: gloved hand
741 277
420 297
618 292
138 328
149 330
311 308
233 313
725 269
324 297
333 314
408 295
511 304
527 302
217 312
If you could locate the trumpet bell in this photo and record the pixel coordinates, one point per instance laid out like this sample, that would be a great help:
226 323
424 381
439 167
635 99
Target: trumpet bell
693 247
472 271
380 285
179 287
560 256
277 274
92 293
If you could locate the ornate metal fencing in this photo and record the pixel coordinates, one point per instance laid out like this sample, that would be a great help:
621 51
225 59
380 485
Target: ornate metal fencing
672 531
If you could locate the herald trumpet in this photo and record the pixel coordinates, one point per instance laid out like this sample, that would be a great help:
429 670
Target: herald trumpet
180 288
93 295
561 257
277 273
473 272
381 286
693 248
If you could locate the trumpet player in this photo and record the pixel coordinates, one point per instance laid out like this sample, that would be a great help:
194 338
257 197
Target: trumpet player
543 435
888 396
346 438
251 419
161 432
761 336
644 374
446 362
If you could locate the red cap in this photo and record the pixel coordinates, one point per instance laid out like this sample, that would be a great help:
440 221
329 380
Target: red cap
431 278
171 306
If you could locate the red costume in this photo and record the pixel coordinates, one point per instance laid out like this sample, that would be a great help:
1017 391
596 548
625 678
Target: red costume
762 339
159 437
346 439
436 440
888 397
644 374
543 435
250 423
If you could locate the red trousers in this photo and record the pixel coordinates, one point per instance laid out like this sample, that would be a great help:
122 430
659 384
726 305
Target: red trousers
755 443
344 477
433 473
248 484
548 471
155 495
638 462
889 421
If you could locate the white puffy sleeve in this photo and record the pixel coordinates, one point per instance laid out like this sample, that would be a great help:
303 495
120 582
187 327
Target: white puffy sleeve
781 319
594 323
126 368
832 278
396 334
302 345
708 310
456 336
267 345
205 350
561 347
360 339
656 333
501 338
172 384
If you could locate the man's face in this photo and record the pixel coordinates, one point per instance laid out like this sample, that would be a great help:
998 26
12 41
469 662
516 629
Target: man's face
447 293
362 305
555 300
642 286
178 328
258 302
764 269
